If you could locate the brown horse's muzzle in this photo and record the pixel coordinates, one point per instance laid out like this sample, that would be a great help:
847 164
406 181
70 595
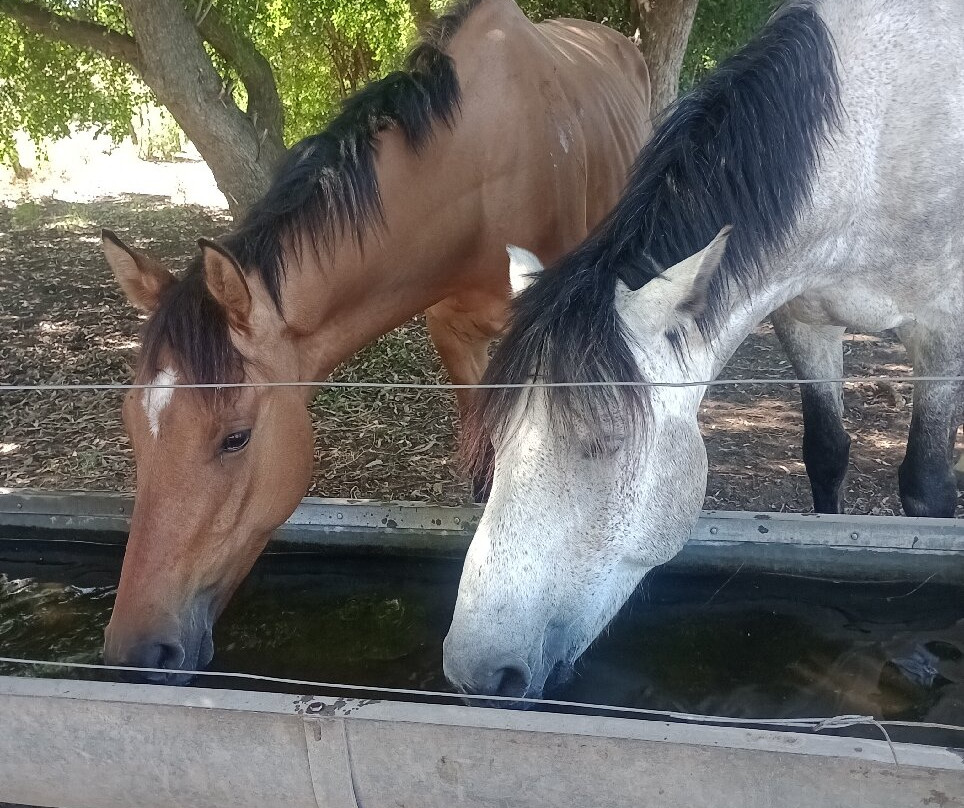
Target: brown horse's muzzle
164 651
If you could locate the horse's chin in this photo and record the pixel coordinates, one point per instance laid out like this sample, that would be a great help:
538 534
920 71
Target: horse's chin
546 686
200 652
192 651
172 679
530 701
180 678
205 653
560 676
168 678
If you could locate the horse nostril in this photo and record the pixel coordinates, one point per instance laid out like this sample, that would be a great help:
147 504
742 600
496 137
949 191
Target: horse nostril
510 680
169 655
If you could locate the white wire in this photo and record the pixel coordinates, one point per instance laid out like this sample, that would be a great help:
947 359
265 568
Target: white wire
815 724
11 388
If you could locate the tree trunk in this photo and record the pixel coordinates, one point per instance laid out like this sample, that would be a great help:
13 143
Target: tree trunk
240 152
264 102
664 27
421 12
167 51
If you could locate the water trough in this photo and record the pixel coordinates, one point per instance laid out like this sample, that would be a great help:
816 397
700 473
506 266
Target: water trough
89 744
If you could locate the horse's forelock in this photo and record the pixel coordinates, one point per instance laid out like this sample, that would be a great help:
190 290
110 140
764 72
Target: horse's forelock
189 331
565 329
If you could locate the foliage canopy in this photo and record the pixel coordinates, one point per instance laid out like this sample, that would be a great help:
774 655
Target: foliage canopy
47 86
319 50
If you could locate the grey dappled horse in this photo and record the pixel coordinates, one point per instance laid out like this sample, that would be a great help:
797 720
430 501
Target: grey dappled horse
834 145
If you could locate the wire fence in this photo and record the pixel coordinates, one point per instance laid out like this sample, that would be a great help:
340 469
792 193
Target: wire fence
815 724
443 386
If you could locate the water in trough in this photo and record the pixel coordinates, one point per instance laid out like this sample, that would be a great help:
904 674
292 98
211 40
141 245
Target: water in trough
744 645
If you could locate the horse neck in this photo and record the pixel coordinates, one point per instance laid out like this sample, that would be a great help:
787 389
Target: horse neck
742 311
338 300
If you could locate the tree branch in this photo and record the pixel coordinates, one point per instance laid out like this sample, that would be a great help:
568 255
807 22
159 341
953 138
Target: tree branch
264 103
179 70
72 31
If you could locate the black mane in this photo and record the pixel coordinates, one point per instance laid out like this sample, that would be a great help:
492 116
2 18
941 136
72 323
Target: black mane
326 186
740 149
194 328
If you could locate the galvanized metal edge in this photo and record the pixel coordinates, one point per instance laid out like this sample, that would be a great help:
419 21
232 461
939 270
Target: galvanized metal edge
319 521
313 708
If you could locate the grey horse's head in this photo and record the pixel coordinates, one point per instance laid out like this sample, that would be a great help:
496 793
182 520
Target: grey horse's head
581 510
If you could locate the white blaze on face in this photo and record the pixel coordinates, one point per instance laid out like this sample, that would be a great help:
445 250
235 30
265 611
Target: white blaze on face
157 398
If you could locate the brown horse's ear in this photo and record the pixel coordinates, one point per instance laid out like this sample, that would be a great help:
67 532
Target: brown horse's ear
142 278
225 281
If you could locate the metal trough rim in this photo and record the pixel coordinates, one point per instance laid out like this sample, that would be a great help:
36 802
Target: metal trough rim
320 520
352 709
95 745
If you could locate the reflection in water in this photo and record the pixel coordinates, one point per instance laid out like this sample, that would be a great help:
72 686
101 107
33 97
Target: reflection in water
43 619
762 646
771 646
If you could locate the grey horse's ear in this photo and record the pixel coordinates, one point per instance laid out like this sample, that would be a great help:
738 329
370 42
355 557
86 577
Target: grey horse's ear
524 268
679 294
692 276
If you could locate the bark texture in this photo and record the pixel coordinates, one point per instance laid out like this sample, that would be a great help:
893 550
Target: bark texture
241 147
664 28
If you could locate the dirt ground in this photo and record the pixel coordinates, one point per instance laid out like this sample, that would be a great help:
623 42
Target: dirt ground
63 320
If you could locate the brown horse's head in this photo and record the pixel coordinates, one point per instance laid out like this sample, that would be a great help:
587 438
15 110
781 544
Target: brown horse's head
217 470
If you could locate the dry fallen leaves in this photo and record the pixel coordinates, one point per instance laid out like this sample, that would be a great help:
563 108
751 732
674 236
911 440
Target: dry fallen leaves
63 320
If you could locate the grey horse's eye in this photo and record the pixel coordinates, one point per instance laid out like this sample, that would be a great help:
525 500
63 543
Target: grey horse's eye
236 441
601 448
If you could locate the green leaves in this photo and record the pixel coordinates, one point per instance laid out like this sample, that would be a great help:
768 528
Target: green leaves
614 13
46 86
720 27
320 52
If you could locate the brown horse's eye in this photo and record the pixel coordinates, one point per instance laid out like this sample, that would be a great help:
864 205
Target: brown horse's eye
236 441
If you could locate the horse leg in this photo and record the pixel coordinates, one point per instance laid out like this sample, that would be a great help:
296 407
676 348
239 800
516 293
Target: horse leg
926 477
462 336
959 471
816 352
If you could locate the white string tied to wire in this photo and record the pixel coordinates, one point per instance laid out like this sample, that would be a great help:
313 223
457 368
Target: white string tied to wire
812 724
83 386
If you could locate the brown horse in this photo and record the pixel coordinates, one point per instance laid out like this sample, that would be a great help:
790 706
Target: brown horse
498 131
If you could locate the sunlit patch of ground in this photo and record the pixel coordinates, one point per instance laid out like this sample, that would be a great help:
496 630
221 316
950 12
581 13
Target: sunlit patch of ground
85 168
63 320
